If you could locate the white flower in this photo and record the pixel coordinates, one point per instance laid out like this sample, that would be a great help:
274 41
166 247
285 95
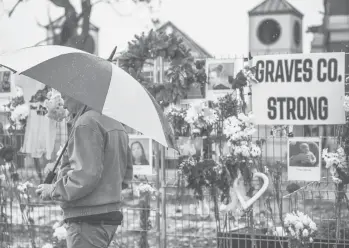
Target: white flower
60 233
210 116
311 240
23 187
245 151
306 220
312 226
346 103
237 150
305 233
293 233
143 188
2 177
255 150
334 159
47 245
21 112
55 107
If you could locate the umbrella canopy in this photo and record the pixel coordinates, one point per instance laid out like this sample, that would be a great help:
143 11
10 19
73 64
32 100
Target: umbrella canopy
96 82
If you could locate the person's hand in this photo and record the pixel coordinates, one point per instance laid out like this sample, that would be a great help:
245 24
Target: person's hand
44 191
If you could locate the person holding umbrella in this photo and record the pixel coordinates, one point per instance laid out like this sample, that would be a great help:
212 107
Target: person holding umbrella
89 183
98 157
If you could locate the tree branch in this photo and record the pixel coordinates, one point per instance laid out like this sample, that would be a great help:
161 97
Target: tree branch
66 4
14 8
86 8
45 40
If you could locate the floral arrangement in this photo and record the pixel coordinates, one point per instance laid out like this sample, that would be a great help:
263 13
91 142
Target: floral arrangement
201 119
239 131
146 192
300 228
176 116
18 112
335 162
183 70
145 189
200 175
346 103
239 128
54 105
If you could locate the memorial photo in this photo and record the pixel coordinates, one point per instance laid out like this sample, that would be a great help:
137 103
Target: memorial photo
220 74
304 154
304 159
142 154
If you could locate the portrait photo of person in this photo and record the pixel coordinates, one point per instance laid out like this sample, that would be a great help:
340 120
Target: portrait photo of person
5 85
220 75
142 154
138 154
304 154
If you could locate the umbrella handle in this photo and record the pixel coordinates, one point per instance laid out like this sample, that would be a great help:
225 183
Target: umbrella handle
51 175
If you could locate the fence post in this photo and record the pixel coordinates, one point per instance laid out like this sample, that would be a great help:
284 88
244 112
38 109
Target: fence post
157 185
163 194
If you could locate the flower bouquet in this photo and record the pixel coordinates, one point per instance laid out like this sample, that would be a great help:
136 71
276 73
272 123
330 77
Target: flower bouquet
146 192
335 162
239 131
300 229
54 105
201 119
176 116
18 112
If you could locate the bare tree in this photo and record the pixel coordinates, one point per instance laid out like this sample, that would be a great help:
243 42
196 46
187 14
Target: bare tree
68 33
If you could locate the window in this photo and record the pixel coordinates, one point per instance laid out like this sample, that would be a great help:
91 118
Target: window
297 34
148 76
269 32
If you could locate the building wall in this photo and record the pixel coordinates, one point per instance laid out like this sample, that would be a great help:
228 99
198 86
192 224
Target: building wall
284 44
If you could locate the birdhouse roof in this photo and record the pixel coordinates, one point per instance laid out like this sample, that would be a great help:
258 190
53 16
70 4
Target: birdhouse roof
272 7
188 40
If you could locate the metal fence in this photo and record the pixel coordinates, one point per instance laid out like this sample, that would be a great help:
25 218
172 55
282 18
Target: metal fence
176 218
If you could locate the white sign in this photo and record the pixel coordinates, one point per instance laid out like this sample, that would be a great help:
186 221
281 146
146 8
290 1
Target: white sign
298 104
299 89
304 159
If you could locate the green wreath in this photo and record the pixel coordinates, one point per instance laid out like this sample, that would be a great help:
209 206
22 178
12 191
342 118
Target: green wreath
183 70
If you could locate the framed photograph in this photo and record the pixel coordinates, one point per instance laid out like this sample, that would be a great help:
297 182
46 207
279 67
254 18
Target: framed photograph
220 76
190 146
304 159
142 154
7 86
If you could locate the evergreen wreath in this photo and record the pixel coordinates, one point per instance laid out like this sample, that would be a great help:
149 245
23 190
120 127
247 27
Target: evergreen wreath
183 70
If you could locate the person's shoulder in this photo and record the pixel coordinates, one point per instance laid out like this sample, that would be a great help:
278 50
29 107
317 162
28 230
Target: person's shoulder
95 120
88 119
